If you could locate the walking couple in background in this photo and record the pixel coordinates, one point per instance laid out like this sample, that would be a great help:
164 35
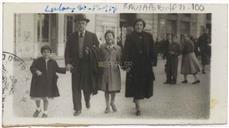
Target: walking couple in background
189 62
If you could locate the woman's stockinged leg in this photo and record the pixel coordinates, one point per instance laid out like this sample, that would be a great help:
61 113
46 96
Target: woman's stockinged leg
112 98
138 107
38 109
107 99
203 68
38 104
113 102
45 100
195 77
185 79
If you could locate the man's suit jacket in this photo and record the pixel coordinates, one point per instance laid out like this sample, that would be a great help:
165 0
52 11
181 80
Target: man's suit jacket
87 66
72 46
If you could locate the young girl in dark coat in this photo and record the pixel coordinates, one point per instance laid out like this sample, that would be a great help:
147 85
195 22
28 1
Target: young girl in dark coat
44 80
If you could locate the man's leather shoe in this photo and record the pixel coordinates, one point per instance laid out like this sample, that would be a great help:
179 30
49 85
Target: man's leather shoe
76 113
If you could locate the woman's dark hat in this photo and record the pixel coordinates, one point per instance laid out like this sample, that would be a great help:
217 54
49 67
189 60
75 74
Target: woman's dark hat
80 17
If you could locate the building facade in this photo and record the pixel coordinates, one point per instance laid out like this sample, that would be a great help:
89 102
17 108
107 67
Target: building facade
35 30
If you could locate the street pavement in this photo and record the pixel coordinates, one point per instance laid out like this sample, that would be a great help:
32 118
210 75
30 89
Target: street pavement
184 101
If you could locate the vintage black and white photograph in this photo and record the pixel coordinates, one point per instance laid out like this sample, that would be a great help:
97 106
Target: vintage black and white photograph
110 66
120 65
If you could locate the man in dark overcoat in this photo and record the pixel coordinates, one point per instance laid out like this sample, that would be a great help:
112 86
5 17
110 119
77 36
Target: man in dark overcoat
81 58
205 48
171 65
165 45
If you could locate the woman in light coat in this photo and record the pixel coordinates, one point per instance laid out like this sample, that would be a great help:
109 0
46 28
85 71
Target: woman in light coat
190 64
111 78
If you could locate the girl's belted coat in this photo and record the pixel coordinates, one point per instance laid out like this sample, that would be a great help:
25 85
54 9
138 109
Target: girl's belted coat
110 71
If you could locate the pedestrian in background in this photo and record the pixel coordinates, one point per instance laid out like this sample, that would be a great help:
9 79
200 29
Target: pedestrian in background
171 65
205 49
190 64
196 47
165 45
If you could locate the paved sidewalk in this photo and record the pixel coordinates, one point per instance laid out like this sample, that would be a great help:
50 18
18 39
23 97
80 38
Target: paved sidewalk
169 101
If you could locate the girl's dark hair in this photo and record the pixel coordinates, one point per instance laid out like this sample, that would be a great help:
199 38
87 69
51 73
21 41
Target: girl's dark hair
109 31
46 47
140 20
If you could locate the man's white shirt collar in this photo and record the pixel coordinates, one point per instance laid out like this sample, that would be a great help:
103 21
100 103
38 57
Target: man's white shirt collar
82 32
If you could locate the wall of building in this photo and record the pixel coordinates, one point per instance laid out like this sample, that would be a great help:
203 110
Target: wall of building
25 35
201 18
27 46
61 35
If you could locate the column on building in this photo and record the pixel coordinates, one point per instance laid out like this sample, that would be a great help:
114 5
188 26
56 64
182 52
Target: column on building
193 25
161 26
178 25
61 35
201 22
155 26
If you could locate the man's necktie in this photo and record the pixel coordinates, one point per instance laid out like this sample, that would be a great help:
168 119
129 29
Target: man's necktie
46 64
81 34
